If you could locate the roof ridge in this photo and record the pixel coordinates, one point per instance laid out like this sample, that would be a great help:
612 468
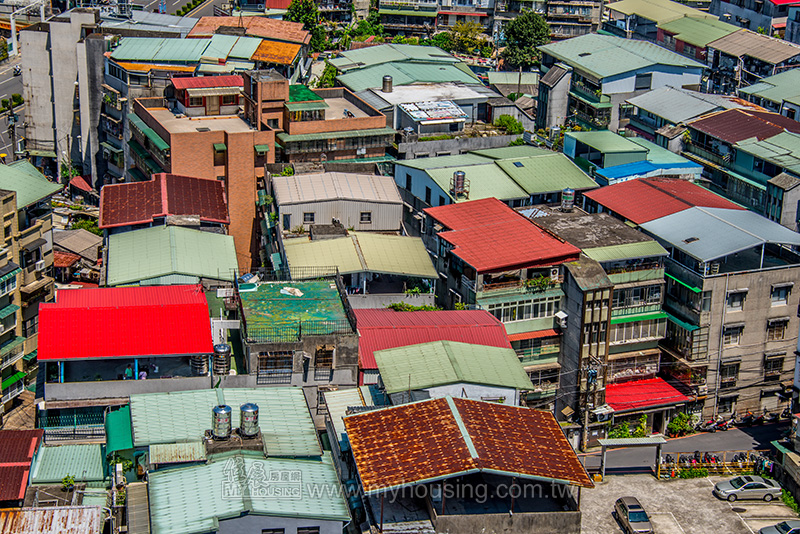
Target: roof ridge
448 350
668 193
729 223
473 452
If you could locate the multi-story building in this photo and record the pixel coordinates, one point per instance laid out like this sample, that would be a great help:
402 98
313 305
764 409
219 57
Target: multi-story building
409 17
779 93
690 36
495 259
765 17
640 19
595 73
12 365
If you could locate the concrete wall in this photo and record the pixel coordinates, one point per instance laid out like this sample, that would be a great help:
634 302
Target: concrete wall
451 147
90 79
382 300
256 524
385 216
122 388
464 390
37 88
540 523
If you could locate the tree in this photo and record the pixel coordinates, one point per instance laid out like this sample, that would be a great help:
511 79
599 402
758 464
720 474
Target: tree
464 37
306 11
87 224
524 35
441 40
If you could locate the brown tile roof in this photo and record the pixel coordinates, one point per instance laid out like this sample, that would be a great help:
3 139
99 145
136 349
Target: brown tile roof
166 194
17 448
734 125
64 259
423 441
749 43
263 27
276 52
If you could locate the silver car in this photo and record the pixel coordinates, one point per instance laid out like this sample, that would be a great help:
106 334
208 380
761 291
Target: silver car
632 516
786 527
747 487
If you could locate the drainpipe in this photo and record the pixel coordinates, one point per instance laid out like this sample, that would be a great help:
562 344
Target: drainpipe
721 339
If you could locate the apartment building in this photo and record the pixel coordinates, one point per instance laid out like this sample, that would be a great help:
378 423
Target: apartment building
765 17
640 19
779 93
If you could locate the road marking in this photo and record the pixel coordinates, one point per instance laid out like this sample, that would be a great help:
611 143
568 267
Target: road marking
675 519
731 504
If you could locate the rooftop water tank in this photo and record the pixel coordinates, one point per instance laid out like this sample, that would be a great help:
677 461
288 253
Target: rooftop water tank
248 420
221 422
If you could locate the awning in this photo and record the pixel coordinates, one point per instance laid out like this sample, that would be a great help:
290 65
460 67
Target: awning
30 356
458 13
641 394
110 147
11 270
684 284
220 147
13 379
775 320
33 245
686 326
8 310
11 345
533 335
119 436
41 153
214 91
261 149
638 317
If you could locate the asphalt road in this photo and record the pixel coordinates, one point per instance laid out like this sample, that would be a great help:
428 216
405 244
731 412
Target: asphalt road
737 439
10 84
172 6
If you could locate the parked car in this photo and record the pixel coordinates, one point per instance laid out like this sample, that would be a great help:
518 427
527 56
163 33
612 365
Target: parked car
787 527
748 487
632 516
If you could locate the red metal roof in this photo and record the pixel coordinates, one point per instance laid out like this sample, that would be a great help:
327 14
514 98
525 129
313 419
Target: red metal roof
420 442
17 448
80 182
196 82
166 194
125 322
380 329
734 125
647 199
64 259
642 394
490 236
533 335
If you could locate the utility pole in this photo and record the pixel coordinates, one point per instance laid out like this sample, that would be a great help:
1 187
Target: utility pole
12 131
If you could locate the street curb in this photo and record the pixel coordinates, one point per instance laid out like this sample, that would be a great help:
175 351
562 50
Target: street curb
202 5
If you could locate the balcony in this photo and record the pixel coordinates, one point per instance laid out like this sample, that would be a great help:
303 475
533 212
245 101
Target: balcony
542 390
517 286
590 94
13 391
546 354
591 121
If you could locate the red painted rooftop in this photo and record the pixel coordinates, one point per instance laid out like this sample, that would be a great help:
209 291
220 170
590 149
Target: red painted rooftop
80 183
197 82
125 322
165 194
734 125
642 394
64 259
381 329
490 236
647 199
17 448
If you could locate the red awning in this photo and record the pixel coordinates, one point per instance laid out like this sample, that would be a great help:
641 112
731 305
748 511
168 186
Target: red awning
642 394
464 14
779 25
532 335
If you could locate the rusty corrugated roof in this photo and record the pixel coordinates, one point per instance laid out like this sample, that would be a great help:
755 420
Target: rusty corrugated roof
57 520
424 441
263 27
275 52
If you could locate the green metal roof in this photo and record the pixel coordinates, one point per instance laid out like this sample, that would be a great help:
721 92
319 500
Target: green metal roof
286 138
509 152
182 416
405 73
638 317
447 362
782 150
684 284
376 55
545 174
659 155
485 181
84 462
112 148
119 436
10 275
362 252
12 379
142 256
8 310
301 93
180 502
407 12
148 132
606 142
698 31
512 78
175 453
657 10
777 88
306 106
261 149
440 162
603 56
626 251
27 182
220 147
30 356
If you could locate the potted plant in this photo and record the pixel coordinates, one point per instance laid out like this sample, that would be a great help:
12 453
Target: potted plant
68 483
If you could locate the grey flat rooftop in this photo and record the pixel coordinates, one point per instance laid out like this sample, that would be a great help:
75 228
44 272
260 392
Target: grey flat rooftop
336 107
589 230
173 124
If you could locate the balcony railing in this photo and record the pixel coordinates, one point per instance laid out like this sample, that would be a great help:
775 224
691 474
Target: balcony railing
536 355
13 391
11 358
542 389
594 94
591 120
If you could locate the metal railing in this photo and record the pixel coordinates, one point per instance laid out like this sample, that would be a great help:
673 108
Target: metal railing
294 332
13 391
533 355
12 357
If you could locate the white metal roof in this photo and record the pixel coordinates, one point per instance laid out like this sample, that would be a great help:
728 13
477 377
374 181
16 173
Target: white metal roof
334 186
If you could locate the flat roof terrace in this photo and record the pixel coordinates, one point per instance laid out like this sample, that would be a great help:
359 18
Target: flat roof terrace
336 107
175 124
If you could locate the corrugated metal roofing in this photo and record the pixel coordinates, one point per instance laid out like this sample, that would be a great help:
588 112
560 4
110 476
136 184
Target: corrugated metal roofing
136 321
506 152
782 150
286 138
183 416
195 82
380 329
710 233
440 162
680 105
263 27
79 241
176 453
27 182
140 256
627 251
782 86
734 125
85 462
643 394
17 448
181 50
444 438
490 237
337 403
276 53
376 55
244 48
606 142
749 43
441 363
603 56
404 73
647 199
659 11
302 188
119 435
697 31
546 174
55 520
252 486
485 181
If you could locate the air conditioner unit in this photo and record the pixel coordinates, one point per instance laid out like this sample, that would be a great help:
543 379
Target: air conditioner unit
561 318
40 265
554 272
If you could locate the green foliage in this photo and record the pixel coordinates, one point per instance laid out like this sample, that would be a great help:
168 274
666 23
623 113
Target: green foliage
402 307
121 496
87 224
524 35
680 424
461 306
788 500
16 99
517 142
540 283
3 48
465 37
641 429
440 137
287 171
694 472
414 291
68 482
307 12
328 76
622 430
509 124
127 465
399 39
5 103
442 40
68 171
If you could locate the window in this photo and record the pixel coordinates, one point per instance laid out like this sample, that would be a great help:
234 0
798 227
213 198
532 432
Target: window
366 217
728 374
228 100
776 329
428 196
31 326
525 309
275 367
116 72
273 124
308 218
195 101
408 182
689 50
8 285
773 367
323 362
287 221
731 335
219 157
308 530
725 404
273 531
643 81
441 200
706 301
736 301
637 331
780 295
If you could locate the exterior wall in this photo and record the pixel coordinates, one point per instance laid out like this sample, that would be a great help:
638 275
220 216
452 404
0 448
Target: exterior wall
37 89
385 216
555 110
419 181
449 147
509 396
663 75
793 25
757 20
518 523
90 79
255 524
122 388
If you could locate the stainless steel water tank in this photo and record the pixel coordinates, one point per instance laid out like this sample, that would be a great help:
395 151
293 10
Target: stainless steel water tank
221 421
199 365
222 359
387 84
248 420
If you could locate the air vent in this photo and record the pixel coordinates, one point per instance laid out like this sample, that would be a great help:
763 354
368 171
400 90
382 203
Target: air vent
518 164
203 129
691 240
584 54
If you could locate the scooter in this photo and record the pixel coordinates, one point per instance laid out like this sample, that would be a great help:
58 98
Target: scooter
17 70
746 420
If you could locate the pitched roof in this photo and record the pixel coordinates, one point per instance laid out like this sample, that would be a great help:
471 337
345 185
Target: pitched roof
17 448
86 462
782 150
602 56
175 493
448 437
710 233
405 73
749 43
680 105
27 182
734 125
376 55
658 11
80 182
197 82
440 363
606 142
129 321
52 520
302 188
646 199
697 31
276 52
490 236
64 259
79 241
165 194
642 394
264 27
777 88
381 329
785 181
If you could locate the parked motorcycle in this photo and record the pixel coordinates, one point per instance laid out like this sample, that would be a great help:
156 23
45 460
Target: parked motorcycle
17 70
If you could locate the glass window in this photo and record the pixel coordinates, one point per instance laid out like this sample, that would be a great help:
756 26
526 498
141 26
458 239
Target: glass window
725 404
643 81
275 367
773 367
228 100
776 330
366 217
732 335
728 373
308 218
736 301
195 101
780 295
